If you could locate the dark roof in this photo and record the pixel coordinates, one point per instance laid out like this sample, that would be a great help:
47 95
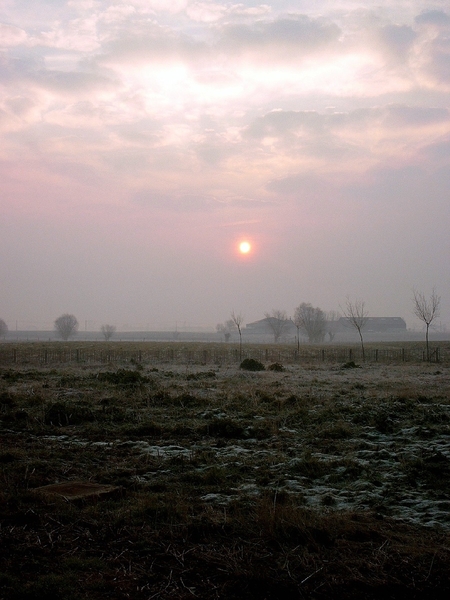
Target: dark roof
379 323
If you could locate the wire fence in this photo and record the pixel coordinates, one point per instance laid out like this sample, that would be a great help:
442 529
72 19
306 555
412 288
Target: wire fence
209 354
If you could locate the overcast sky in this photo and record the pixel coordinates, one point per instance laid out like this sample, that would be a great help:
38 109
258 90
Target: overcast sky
142 140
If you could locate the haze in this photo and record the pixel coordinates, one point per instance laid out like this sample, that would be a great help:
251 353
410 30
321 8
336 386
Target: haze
142 141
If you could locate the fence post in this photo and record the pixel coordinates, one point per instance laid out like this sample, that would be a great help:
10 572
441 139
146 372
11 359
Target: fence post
350 354
403 354
323 354
376 354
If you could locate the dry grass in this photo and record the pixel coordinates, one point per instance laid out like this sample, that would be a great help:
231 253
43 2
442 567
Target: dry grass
313 481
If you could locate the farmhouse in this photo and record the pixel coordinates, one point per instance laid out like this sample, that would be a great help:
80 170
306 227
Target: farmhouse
373 324
263 327
376 324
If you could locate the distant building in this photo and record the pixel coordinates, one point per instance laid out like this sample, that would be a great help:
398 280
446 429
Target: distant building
263 327
375 324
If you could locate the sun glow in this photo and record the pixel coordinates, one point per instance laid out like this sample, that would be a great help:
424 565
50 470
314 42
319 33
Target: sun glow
245 247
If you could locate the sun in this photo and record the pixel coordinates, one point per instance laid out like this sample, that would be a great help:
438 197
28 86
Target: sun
245 247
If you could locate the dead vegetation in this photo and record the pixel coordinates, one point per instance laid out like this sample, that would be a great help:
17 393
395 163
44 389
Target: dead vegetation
311 481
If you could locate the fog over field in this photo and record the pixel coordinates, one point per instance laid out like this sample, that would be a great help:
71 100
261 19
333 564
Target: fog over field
142 141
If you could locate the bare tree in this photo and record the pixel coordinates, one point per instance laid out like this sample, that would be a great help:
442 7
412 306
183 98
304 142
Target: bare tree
226 328
108 331
333 317
66 325
310 321
426 310
238 319
278 322
3 328
356 314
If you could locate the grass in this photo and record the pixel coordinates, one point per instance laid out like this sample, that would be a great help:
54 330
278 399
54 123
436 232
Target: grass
311 481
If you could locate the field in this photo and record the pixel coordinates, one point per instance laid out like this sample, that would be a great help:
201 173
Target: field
309 479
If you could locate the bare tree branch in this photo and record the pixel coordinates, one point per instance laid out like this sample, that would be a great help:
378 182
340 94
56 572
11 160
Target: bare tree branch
108 331
238 319
356 314
226 328
426 310
278 323
66 325
310 321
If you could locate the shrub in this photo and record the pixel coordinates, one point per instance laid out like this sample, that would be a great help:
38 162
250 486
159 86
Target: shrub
276 367
63 413
350 365
225 428
123 377
250 364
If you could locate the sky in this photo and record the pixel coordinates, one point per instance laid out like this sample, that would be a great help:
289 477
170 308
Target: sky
141 141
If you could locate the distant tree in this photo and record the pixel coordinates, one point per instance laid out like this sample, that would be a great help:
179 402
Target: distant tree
278 322
66 325
426 310
108 331
310 321
226 329
238 319
333 317
3 328
356 314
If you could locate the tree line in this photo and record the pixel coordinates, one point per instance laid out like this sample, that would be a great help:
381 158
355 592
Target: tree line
314 323
310 321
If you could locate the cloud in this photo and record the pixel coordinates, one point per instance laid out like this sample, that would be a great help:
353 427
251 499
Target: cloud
398 39
433 17
250 11
295 185
292 125
11 35
433 50
173 7
175 202
280 122
297 33
205 12
147 42
438 152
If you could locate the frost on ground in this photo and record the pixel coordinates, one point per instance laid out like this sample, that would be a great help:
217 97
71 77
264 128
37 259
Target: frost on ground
317 482
371 438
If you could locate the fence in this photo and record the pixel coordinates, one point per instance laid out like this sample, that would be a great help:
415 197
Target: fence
205 354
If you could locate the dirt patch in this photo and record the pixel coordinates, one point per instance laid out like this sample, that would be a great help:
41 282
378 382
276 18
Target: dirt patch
78 490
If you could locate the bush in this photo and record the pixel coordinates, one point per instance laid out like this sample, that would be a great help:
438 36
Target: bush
225 428
250 364
350 365
276 367
123 377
